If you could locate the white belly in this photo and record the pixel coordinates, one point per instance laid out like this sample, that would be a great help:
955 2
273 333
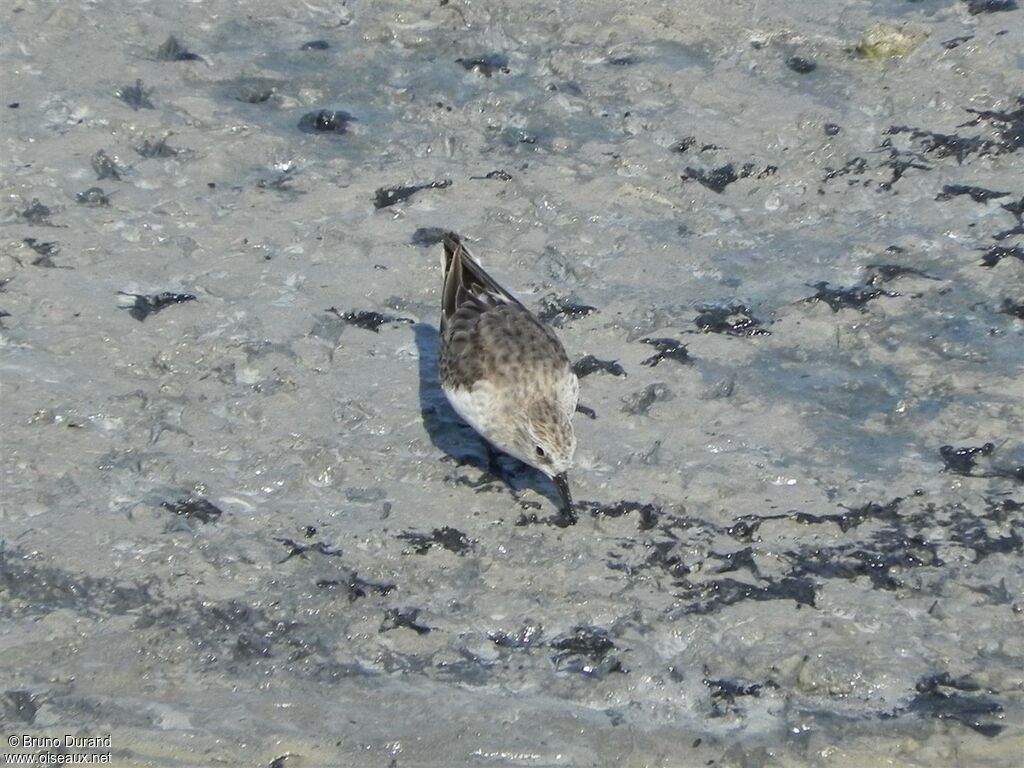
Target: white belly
477 407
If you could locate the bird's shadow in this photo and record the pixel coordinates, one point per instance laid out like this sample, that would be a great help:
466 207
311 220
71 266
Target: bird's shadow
449 433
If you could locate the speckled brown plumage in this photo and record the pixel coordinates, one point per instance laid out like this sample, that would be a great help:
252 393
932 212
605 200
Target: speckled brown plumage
503 370
486 332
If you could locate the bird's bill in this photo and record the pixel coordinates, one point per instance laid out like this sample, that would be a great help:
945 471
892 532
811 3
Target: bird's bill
562 484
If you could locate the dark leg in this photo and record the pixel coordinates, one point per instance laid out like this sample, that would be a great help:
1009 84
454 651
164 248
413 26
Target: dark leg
494 463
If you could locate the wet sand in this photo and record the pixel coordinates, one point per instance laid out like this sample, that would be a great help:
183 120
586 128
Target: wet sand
239 522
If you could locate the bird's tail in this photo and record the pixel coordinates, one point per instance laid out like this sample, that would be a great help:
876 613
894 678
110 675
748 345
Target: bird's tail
452 264
452 244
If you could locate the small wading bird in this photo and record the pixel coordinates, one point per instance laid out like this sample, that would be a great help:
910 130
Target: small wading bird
505 372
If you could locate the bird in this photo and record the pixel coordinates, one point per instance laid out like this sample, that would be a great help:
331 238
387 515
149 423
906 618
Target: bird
505 372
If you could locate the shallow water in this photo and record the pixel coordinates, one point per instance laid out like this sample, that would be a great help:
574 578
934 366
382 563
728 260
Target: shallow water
248 526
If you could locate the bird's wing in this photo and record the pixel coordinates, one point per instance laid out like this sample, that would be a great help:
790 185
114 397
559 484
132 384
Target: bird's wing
467 284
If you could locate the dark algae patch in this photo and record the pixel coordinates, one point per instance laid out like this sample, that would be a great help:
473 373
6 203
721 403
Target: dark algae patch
325 121
527 636
944 144
899 543
961 461
971 531
977 194
1007 125
881 559
94 197
237 634
1012 308
717 179
356 587
447 537
960 699
1015 209
194 508
485 65
151 148
879 274
558 311
800 65
37 213
852 518
879 542
855 166
586 650
639 403
724 693
408 618
106 167
684 145
45 252
20 706
145 305
388 196
590 364
297 549
280 181
976 7
513 136
591 642
847 298
498 175
173 50
255 94
956 42
711 596
135 96
740 560
668 349
733 320
997 253
1004 134
367 320
31 588
425 237
898 162
647 514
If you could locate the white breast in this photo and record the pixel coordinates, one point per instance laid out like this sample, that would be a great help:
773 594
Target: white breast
569 392
477 407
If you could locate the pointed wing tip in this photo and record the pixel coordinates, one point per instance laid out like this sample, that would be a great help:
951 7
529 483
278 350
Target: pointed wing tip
452 275
451 242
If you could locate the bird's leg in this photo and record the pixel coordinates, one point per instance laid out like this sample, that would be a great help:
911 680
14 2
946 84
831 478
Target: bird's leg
490 471
494 470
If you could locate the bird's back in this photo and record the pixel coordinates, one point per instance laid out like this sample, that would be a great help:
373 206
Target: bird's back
486 333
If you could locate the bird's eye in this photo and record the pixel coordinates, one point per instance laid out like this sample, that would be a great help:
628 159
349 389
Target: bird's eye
540 451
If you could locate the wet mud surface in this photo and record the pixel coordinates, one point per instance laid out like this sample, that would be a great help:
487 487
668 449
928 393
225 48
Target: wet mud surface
239 522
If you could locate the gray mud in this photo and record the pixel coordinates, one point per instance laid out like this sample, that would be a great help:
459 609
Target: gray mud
239 523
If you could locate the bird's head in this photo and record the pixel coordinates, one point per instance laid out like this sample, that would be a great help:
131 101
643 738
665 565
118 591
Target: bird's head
546 441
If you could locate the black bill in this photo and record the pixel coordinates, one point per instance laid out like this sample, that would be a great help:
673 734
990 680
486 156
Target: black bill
562 484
